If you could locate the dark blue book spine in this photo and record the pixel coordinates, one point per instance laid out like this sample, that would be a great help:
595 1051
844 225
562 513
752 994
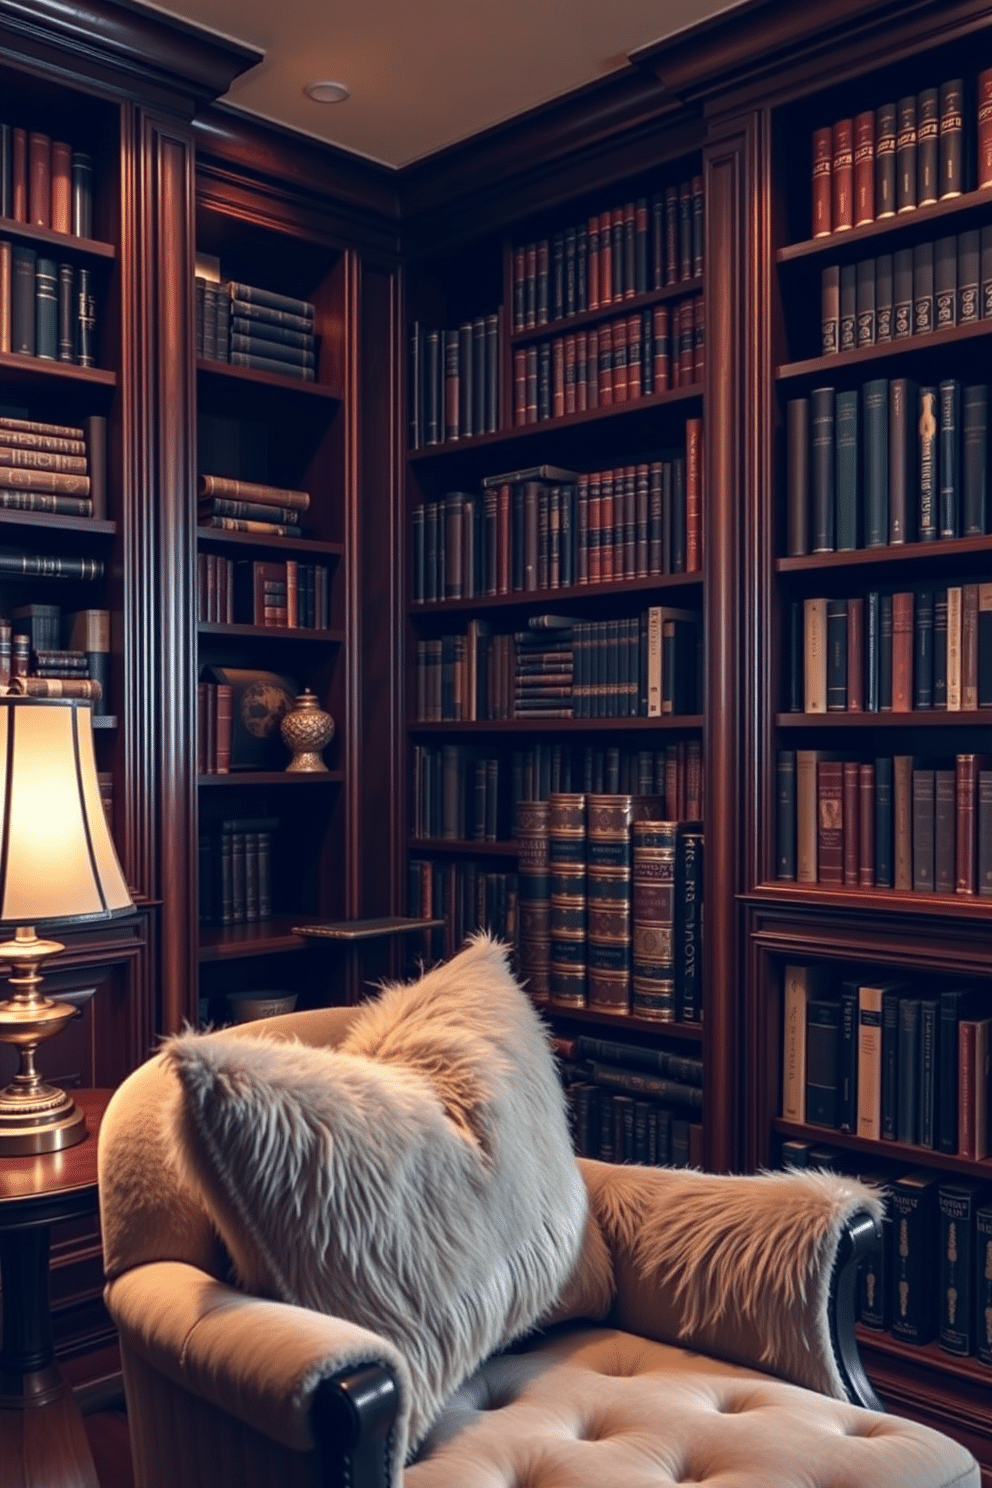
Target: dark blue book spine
974 460
847 473
46 307
923 649
883 822
950 457
927 1082
785 854
890 1066
885 654
847 1062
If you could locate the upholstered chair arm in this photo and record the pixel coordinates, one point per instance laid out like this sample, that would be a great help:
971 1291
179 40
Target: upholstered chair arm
304 1380
757 1270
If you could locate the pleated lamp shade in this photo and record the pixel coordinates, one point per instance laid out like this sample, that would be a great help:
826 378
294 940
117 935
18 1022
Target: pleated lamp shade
57 859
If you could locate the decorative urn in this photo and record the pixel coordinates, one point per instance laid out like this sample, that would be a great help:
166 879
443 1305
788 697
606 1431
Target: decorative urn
307 729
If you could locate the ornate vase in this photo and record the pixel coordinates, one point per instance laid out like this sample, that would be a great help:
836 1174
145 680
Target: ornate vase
306 730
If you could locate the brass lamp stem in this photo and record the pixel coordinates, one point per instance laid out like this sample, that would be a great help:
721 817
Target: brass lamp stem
34 1116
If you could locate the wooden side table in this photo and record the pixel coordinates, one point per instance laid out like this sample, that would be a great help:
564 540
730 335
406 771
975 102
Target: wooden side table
42 1438
352 934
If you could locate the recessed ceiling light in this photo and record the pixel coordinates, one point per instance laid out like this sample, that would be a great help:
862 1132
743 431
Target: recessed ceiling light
324 92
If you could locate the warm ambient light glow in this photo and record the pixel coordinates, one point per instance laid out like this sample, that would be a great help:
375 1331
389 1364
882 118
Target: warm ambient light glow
327 92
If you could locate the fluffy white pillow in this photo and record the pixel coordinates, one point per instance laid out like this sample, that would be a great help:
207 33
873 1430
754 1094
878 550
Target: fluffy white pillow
418 1179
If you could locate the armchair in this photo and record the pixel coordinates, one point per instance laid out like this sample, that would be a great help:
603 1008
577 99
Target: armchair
705 1331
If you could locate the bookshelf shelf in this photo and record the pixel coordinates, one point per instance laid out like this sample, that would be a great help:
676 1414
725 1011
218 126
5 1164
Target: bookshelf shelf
514 441
919 555
918 717
280 779
578 322
690 1033
101 532
844 245
584 596
280 633
672 723
910 351
223 375
886 902
37 373
259 542
911 1156
927 1356
262 938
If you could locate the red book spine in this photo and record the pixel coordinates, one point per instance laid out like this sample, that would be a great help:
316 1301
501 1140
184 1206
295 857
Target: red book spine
967 1029
605 259
519 386
866 826
201 728
592 262
823 155
619 361
675 347
662 344
969 646
558 377
985 128
830 821
606 515
19 173
223 695
595 527
634 352
852 823
61 214
966 767
39 179
530 285
902 653
570 375
671 234
604 380
694 780
855 654
864 167
693 495
519 292
843 175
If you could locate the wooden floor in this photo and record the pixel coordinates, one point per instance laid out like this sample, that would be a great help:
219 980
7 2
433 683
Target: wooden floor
111 1448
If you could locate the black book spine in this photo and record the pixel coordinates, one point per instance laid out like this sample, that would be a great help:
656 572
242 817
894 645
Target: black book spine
865 298
46 336
885 160
85 319
902 460
822 1047
872 649
985 273
848 307
6 173
969 304
951 138
797 477
22 314
795 641
491 379
785 857
847 1060
836 655
950 457
922 289
927 152
66 328
940 648
908 1054
82 194
883 297
885 653
945 283
902 293
906 154
890 1066
974 460
830 310
883 822
923 649
433 374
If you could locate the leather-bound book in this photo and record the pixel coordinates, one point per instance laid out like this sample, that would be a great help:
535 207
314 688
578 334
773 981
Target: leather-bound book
945 283
943 831
913 1202
864 167
923 831
823 154
923 649
830 822
852 822
927 131
974 460
855 654
797 477
906 154
968 276
967 768
847 521
61 205
902 651
22 322
885 160
923 313
951 139
653 913
19 174
842 176
39 179
928 430
883 297
866 825
875 395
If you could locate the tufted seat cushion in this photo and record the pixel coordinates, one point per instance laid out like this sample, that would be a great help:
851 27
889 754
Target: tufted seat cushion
599 1408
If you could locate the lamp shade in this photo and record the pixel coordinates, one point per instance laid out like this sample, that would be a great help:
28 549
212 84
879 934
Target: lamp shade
57 859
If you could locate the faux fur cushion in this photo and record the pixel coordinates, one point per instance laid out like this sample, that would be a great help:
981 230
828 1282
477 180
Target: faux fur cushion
418 1179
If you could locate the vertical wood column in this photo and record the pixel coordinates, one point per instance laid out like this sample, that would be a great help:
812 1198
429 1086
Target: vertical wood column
727 476
162 514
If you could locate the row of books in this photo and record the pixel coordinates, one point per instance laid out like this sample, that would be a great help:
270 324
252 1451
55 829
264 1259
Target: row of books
285 594
547 528
468 896
60 468
459 793
611 905
47 308
250 506
930 1274
235 871
629 250
254 328
882 1060
645 666
889 463
454 380
880 653
617 1127
913 824
911 292
895 157
45 182
618 362
44 653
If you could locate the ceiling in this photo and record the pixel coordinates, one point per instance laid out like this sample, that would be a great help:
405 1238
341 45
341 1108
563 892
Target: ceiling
424 74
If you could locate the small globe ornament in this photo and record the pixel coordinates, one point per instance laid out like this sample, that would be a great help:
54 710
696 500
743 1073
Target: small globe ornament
306 730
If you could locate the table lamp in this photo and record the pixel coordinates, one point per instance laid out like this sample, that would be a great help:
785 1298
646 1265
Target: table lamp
57 866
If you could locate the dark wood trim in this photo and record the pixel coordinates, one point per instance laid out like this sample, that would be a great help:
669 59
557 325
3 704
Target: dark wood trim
275 175
126 51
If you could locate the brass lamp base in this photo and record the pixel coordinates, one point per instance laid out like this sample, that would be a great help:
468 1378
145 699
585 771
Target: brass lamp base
34 1117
